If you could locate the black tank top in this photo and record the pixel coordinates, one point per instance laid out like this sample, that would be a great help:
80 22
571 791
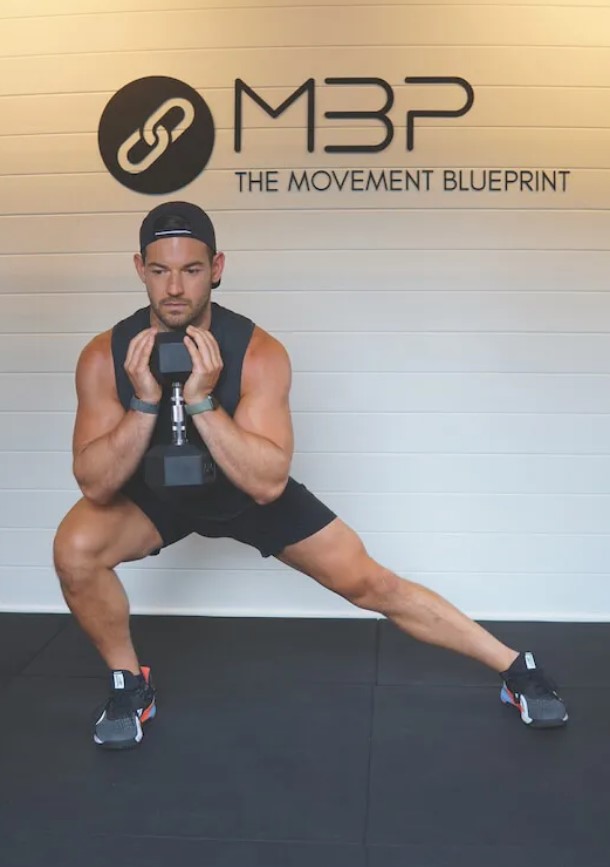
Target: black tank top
222 499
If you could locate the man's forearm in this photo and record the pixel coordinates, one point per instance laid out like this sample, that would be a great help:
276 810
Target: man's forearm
254 464
104 465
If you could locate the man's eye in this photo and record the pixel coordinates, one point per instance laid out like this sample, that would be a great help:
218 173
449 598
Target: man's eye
193 270
157 271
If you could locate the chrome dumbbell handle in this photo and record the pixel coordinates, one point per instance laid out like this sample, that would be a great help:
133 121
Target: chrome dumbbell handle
178 417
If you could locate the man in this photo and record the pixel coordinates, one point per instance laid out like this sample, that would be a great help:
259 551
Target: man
237 402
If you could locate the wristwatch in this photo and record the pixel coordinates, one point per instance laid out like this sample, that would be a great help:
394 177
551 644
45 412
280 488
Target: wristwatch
205 405
143 406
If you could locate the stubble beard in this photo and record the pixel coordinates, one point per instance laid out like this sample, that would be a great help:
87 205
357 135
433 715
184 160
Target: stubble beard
181 319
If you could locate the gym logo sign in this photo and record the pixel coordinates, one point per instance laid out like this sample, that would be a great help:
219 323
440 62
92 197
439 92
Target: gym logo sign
156 135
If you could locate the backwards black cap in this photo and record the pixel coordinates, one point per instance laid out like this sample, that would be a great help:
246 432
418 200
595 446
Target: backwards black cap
192 222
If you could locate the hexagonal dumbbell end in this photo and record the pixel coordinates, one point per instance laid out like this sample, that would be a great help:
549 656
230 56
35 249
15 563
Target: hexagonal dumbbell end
170 360
178 466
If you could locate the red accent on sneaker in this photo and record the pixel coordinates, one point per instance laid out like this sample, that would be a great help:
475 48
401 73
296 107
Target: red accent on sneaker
513 700
149 711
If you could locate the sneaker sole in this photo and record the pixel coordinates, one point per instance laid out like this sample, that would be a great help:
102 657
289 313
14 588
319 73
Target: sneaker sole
147 716
507 699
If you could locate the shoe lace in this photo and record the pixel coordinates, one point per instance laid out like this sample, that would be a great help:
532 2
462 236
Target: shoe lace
535 682
120 703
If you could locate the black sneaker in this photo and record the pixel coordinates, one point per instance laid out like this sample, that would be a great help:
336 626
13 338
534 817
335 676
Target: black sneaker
529 689
131 704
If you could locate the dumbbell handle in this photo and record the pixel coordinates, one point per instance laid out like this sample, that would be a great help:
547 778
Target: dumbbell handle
178 422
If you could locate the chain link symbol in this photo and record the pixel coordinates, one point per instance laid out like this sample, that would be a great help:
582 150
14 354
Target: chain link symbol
156 135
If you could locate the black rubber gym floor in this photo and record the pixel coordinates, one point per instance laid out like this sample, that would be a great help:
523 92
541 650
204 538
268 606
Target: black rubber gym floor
294 743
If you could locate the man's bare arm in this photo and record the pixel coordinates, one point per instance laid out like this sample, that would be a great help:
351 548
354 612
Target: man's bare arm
254 448
108 442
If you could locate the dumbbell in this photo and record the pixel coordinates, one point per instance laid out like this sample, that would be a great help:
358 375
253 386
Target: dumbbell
180 464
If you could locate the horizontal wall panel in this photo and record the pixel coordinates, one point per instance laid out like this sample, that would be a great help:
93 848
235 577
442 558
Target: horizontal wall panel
319 230
431 392
387 512
454 473
35 509
51 313
302 271
391 433
358 432
429 552
70 158
463 352
374 473
565 107
405 310
438 144
453 432
29 589
469 513
290 67
296 27
195 592
407 553
417 311
272 593
50 114
27 8
32 394
44 353
390 392
35 471
468 433
532 107
587 189
44 430
345 352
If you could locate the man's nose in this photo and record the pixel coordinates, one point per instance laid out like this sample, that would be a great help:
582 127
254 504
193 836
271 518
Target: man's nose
175 283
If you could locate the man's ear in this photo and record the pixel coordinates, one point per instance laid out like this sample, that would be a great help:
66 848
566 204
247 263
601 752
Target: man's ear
138 261
218 264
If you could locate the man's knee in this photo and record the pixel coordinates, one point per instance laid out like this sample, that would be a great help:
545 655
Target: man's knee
75 554
91 538
372 586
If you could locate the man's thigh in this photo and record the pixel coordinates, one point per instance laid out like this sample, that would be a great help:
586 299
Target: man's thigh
335 556
274 527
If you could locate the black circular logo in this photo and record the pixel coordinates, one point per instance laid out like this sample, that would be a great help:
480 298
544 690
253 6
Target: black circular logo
156 135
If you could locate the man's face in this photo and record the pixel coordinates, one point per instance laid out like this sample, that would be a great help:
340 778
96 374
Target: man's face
178 274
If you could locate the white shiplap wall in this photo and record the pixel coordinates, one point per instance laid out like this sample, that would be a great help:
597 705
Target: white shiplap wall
451 351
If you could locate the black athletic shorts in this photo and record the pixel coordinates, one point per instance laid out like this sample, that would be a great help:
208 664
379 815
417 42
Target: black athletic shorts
294 516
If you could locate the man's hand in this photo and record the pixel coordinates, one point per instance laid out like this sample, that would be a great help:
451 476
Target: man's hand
207 364
137 366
